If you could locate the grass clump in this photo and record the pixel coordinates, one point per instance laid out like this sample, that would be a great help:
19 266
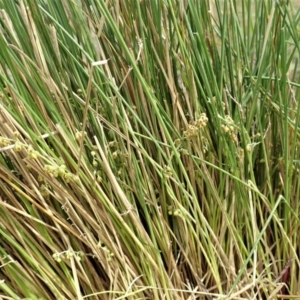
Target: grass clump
149 150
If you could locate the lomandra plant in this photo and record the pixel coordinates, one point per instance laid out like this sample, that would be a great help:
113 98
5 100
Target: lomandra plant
149 149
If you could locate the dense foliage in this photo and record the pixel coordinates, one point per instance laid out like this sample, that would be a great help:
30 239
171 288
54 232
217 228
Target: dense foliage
149 149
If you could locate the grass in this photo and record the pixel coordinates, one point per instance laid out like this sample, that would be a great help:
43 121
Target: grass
149 150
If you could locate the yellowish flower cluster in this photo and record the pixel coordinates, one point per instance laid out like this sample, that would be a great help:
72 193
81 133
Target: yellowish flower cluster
79 135
17 146
173 212
44 191
4 141
67 255
167 171
195 127
32 154
60 171
230 129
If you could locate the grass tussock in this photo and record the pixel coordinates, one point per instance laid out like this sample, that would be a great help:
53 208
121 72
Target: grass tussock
149 149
